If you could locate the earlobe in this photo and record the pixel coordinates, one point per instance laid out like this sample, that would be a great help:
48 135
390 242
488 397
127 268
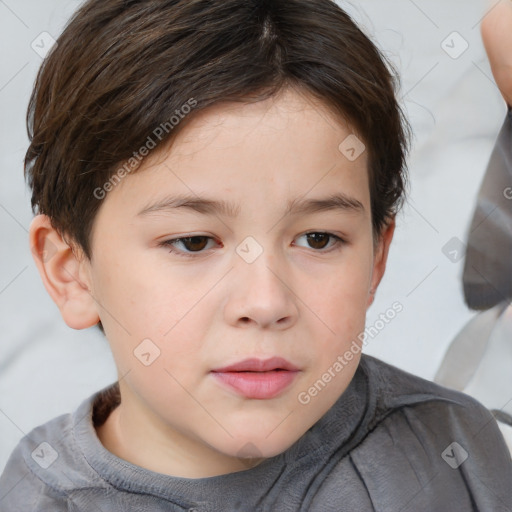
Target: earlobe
64 274
380 259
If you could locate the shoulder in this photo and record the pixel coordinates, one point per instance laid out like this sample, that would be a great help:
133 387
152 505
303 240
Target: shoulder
438 441
47 466
392 388
395 392
28 481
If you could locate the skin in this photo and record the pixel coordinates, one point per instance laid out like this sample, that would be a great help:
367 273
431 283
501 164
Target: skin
496 31
214 309
302 300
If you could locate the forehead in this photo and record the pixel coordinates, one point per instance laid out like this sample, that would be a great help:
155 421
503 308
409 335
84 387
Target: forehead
274 154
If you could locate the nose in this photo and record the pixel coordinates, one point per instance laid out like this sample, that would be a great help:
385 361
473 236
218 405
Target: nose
261 295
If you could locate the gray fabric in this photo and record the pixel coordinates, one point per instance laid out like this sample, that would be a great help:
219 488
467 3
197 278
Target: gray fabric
487 275
466 351
379 448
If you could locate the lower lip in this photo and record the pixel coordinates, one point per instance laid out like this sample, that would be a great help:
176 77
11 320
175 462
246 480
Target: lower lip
259 385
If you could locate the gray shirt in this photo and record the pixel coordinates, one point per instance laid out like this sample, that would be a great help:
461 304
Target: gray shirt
392 442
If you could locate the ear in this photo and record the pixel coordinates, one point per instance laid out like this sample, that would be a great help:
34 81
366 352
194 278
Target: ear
65 275
380 258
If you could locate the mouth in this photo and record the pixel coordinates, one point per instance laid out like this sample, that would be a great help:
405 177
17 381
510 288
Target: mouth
257 378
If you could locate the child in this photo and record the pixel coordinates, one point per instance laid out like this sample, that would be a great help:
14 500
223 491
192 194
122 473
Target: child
216 184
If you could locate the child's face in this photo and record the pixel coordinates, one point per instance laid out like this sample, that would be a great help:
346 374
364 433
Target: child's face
208 305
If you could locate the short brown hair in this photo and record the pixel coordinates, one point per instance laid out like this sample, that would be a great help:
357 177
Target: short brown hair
121 69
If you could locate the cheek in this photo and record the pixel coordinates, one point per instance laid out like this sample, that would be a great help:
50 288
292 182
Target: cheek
338 303
340 297
144 311
137 295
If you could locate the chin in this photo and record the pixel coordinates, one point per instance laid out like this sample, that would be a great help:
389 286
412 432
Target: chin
248 448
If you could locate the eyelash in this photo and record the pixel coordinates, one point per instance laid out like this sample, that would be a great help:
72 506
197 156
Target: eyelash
170 244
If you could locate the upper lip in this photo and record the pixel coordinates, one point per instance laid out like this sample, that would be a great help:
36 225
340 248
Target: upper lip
259 365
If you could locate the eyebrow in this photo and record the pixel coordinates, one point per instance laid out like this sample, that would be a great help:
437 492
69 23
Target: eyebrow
335 202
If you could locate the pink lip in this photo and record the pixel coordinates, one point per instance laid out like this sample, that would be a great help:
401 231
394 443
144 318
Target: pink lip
257 378
259 365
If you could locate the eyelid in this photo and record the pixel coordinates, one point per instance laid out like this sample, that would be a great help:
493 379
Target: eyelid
170 243
338 241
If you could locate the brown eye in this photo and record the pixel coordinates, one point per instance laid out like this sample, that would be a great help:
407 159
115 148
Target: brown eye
318 240
322 242
188 246
195 243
